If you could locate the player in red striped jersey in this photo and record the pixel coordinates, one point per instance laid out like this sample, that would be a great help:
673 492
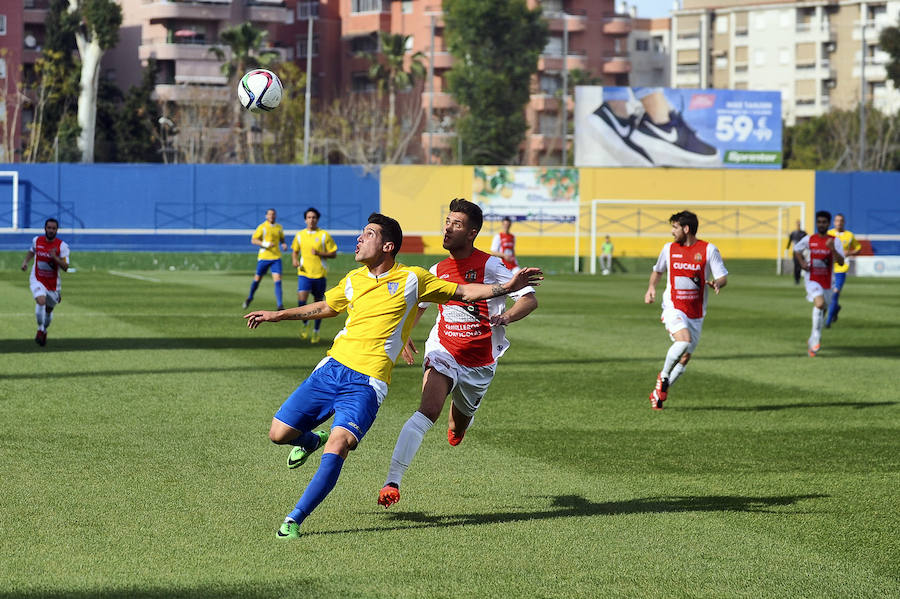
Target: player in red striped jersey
50 254
692 265
824 251
462 350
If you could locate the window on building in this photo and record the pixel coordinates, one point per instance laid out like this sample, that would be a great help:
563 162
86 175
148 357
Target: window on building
364 43
551 6
302 43
659 45
721 62
549 123
722 24
554 46
410 42
2 68
407 6
2 24
759 58
306 10
642 45
370 6
550 84
361 83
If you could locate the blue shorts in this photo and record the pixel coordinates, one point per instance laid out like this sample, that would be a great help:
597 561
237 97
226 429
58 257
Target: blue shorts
316 286
262 266
838 283
333 389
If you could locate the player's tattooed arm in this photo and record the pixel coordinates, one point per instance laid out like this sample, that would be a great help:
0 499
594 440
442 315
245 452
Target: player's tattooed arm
473 292
316 310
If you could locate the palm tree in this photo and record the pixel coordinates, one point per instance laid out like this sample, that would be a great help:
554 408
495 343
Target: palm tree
391 74
246 43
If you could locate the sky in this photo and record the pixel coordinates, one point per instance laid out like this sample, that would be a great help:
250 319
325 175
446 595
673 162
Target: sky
648 9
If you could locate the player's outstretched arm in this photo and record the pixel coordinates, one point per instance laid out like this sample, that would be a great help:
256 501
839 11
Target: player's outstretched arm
315 310
524 306
473 292
650 296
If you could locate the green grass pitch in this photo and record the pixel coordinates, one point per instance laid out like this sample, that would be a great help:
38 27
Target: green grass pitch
134 458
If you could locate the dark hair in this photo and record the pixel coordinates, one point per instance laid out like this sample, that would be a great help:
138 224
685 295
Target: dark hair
506 219
472 212
390 230
314 211
687 219
841 214
51 220
824 213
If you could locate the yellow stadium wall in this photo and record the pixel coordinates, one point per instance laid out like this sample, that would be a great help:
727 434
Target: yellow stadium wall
418 195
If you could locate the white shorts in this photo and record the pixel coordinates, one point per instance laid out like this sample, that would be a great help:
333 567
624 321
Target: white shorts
470 383
38 289
814 290
675 320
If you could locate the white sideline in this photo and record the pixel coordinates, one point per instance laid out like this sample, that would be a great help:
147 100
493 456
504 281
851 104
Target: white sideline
131 276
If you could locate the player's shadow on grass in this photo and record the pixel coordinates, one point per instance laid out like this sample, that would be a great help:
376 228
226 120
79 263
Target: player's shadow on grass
857 405
574 506
82 344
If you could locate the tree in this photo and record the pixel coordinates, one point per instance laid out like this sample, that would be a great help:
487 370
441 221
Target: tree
11 102
390 74
246 43
136 129
283 128
97 32
496 46
109 111
889 40
831 142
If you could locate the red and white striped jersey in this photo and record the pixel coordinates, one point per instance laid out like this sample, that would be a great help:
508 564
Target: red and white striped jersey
45 270
689 268
505 243
821 261
463 328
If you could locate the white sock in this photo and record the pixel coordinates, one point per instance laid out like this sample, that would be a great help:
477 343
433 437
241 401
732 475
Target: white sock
40 313
48 318
408 443
672 356
676 372
818 321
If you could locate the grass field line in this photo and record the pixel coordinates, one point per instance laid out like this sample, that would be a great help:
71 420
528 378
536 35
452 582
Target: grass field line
133 276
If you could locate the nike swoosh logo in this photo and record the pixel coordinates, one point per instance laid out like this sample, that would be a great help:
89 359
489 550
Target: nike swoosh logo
292 462
622 131
669 136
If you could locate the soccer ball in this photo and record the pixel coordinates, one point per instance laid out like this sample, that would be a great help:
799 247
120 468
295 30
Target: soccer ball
260 90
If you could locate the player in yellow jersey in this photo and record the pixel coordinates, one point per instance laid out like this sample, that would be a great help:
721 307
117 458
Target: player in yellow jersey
350 383
309 250
269 236
851 248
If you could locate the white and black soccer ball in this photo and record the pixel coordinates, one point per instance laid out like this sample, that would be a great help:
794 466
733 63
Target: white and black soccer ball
260 90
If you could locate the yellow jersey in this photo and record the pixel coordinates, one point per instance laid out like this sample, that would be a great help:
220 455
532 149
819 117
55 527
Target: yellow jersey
850 244
304 243
274 234
380 314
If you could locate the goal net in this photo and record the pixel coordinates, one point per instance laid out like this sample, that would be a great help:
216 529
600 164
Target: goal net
10 220
739 229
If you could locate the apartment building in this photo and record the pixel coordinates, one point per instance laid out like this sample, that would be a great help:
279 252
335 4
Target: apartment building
818 54
649 45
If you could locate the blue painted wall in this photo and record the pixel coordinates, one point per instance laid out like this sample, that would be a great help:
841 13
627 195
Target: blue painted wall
869 201
162 198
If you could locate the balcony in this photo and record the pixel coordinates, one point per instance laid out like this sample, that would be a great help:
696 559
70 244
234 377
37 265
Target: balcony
442 60
365 22
545 102
161 49
440 101
617 25
577 59
560 22
212 11
268 12
187 93
616 64
438 141
815 32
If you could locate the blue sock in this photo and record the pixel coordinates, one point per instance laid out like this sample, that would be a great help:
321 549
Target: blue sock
318 324
319 487
253 287
832 307
278 293
301 303
308 441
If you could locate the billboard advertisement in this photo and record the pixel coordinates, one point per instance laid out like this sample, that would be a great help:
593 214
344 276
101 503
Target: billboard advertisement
529 193
688 128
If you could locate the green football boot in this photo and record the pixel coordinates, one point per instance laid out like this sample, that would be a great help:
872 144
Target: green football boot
288 530
298 455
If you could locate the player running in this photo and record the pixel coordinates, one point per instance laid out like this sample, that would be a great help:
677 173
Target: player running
309 250
503 245
50 254
352 380
851 248
462 350
824 251
269 236
692 264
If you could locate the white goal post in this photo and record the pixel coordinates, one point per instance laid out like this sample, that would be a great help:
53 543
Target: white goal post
764 221
14 225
